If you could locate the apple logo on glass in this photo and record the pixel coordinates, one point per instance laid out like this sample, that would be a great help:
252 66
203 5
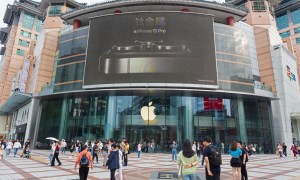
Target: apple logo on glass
147 112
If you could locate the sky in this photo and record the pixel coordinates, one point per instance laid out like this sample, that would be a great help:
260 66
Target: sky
4 3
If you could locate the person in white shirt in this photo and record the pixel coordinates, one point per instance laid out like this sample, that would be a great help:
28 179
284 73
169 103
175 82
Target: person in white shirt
194 147
63 146
120 173
139 149
8 147
17 145
53 145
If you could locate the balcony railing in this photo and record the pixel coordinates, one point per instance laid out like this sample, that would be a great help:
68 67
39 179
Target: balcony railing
262 86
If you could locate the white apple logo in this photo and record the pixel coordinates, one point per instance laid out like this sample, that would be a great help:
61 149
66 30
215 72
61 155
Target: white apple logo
147 112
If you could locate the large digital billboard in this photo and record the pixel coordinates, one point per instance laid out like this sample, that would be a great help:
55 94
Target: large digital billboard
151 47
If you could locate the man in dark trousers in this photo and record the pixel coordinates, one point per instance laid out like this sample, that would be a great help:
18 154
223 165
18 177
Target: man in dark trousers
213 160
244 159
284 149
56 153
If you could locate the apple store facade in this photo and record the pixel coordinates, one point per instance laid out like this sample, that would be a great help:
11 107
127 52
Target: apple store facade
155 81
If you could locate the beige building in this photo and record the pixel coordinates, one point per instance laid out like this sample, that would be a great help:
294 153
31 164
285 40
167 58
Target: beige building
30 45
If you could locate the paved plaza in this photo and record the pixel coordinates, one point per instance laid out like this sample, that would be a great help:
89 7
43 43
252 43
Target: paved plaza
261 167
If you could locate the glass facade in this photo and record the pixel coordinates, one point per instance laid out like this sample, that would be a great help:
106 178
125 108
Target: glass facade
282 21
285 34
177 115
296 16
39 25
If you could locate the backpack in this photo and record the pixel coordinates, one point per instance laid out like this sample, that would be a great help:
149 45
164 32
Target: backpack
215 157
84 161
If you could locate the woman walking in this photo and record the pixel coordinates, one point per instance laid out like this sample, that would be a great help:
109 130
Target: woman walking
188 161
85 162
199 149
174 151
17 145
294 150
235 161
63 146
126 153
72 148
120 171
113 161
280 150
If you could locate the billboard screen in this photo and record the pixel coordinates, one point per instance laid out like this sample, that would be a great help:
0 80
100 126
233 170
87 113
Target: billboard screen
151 47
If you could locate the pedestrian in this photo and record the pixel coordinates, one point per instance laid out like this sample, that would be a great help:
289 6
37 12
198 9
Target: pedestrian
188 161
294 150
27 143
100 145
105 153
284 147
1 149
126 153
113 161
63 146
52 151
17 145
123 148
244 159
120 173
235 161
280 150
222 148
194 147
9 146
56 153
95 152
298 149
174 151
72 148
213 160
199 150
84 159
139 148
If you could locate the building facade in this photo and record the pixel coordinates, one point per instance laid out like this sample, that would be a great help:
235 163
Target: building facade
159 72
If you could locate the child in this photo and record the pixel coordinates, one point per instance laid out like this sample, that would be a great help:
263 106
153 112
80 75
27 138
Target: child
27 153
113 161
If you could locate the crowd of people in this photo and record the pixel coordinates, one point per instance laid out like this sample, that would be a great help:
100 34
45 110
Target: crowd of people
115 155
8 147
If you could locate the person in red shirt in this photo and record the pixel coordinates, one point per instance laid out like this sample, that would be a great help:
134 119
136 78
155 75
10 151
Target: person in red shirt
85 161
294 150
56 153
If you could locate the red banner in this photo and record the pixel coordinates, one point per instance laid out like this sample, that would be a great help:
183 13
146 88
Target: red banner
213 104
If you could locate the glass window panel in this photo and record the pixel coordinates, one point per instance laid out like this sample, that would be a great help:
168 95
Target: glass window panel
28 21
298 40
296 16
285 34
258 5
282 21
55 10
297 30
20 52
24 43
26 34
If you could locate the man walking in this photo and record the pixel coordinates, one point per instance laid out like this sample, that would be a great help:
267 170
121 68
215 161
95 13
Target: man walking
213 160
244 159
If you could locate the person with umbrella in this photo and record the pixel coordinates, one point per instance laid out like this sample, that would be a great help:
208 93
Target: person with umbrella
56 144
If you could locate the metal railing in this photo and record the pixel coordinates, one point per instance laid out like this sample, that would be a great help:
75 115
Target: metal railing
202 1
262 86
